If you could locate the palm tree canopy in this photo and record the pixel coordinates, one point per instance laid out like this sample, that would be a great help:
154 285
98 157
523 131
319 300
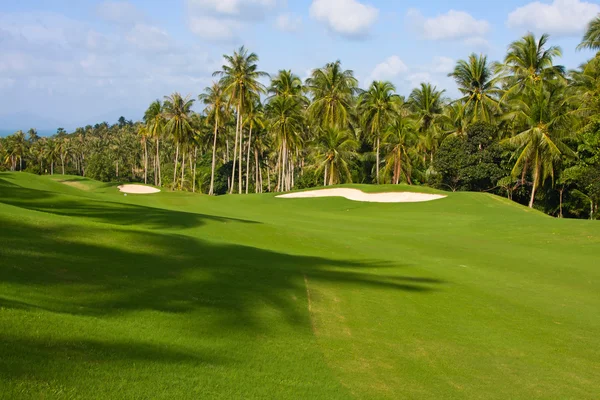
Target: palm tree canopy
240 75
529 62
591 39
476 82
177 110
332 89
378 106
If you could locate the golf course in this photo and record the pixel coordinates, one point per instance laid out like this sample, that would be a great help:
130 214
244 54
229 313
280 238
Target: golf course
188 296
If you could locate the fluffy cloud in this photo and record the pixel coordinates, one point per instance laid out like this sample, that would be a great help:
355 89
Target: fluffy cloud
562 17
406 78
348 18
220 20
388 69
450 26
47 56
288 22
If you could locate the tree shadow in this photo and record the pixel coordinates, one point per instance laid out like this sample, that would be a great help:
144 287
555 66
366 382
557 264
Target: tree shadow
102 272
103 211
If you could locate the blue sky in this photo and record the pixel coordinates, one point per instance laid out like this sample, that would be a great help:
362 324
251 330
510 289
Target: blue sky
77 62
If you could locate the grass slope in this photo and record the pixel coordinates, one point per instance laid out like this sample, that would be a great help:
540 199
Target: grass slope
176 295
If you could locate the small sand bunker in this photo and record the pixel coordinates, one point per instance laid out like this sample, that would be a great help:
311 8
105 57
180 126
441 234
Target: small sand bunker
358 195
138 189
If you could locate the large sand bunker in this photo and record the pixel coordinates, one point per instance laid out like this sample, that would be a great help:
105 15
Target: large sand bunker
358 195
138 189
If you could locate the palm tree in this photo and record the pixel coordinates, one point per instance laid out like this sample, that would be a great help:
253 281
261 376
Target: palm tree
584 93
547 122
476 82
240 78
528 62
591 39
287 84
144 134
177 111
254 118
332 89
286 123
454 120
52 151
399 140
64 148
215 99
155 123
427 104
378 106
335 148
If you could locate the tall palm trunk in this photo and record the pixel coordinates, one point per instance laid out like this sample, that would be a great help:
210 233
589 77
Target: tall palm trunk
248 159
21 164
377 160
158 163
536 177
182 168
214 158
256 174
175 171
194 169
237 127
52 168
62 160
325 177
240 160
145 161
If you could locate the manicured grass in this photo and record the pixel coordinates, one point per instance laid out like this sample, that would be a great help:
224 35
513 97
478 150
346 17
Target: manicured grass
177 295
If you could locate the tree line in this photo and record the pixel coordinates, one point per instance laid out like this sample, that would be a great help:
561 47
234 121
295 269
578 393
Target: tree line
524 127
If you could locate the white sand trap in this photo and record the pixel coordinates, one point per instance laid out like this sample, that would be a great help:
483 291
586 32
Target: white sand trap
358 195
138 189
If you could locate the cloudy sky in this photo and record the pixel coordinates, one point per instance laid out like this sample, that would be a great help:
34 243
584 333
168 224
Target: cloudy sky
76 62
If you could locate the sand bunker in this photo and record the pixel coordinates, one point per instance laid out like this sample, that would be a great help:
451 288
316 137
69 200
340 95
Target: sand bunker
358 195
138 189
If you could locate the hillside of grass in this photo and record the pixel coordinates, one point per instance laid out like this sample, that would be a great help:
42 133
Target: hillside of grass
179 295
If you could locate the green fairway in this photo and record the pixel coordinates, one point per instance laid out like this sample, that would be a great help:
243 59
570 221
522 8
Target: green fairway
177 296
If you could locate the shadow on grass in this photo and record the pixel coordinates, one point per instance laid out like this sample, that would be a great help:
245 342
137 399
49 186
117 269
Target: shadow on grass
103 211
96 271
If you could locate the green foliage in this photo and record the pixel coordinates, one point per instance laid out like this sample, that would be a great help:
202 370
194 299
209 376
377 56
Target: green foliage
472 162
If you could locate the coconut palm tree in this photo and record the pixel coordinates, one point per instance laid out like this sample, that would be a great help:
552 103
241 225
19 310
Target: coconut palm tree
529 63
591 39
547 123
254 118
584 93
286 84
378 106
476 82
399 141
240 78
285 121
177 110
155 123
332 89
335 148
215 99
143 134
52 151
427 104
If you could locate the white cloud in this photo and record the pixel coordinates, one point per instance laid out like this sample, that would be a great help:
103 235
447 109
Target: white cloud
348 18
388 69
450 26
224 20
561 17
288 22
120 12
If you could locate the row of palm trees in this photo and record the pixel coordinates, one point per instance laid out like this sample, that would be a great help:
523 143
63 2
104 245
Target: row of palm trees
326 128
